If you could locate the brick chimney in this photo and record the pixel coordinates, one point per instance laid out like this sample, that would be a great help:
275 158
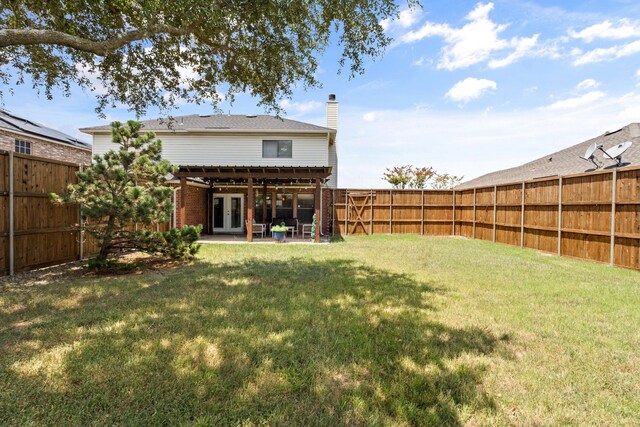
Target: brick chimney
332 123
332 112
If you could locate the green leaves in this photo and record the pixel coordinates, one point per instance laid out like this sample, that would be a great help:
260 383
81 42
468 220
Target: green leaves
123 197
155 53
414 177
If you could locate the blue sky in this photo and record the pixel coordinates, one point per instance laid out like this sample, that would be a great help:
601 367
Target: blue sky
467 87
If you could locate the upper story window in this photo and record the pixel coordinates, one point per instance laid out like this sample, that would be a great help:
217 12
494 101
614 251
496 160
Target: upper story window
23 147
272 149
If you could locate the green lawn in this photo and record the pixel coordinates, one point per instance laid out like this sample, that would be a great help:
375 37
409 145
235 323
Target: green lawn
386 330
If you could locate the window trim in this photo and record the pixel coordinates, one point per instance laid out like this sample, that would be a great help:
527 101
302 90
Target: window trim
279 143
22 146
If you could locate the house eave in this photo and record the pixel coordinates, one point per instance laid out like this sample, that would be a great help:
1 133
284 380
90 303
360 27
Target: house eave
98 131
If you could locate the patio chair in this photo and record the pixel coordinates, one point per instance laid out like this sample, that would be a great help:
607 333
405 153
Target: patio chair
260 229
292 225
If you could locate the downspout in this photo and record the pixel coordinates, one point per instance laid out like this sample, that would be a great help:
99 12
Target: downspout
321 211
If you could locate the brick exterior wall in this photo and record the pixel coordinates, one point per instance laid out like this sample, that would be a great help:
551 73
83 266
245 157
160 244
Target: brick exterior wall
196 207
327 212
43 148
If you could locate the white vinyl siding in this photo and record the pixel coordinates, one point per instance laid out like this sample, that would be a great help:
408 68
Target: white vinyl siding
333 162
232 150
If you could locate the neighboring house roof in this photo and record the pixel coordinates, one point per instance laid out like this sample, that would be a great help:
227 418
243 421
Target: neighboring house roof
12 122
567 161
224 123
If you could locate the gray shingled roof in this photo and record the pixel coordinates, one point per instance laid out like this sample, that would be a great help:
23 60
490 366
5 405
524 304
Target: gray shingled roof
16 123
567 161
224 122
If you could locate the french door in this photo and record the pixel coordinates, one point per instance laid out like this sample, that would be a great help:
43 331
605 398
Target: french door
228 213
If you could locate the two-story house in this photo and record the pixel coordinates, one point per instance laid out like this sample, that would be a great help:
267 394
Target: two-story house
235 170
24 136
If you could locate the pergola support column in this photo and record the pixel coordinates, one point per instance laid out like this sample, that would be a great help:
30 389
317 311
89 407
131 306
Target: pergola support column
183 201
264 203
316 205
250 204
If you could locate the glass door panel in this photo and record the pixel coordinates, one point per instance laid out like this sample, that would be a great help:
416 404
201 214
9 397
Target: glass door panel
236 213
218 213
228 216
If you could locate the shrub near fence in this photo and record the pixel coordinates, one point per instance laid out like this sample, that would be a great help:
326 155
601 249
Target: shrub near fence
594 216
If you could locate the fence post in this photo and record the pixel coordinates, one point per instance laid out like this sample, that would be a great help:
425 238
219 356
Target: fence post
612 253
560 216
495 210
371 216
346 212
81 223
474 214
390 211
333 212
11 222
453 225
522 219
422 213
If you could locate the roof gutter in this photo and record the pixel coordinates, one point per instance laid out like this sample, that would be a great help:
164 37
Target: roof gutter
321 131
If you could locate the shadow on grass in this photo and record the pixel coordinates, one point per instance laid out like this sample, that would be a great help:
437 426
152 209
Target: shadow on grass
300 342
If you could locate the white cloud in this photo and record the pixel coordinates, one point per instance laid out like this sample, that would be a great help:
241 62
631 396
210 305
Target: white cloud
523 48
579 101
419 62
295 107
469 89
475 41
623 29
588 84
372 116
467 142
608 54
406 18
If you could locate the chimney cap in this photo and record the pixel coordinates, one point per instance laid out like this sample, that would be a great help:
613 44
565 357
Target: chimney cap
332 97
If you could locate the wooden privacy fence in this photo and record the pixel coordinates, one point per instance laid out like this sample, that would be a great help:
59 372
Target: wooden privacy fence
33 231
593 216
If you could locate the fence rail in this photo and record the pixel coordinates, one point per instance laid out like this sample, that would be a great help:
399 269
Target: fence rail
593 216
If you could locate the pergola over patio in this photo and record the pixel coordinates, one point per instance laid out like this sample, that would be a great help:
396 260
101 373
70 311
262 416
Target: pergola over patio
274 175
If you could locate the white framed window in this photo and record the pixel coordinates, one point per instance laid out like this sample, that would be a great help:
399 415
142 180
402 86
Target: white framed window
22 146
272 149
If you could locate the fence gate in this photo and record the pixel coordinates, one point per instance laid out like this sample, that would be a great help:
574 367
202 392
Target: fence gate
358 202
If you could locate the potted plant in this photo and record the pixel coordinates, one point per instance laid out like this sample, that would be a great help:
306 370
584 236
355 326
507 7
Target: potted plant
279 232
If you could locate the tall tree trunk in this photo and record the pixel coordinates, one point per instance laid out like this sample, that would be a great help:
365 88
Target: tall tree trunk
105 247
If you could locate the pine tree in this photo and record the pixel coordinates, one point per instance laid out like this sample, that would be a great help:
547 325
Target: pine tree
124 188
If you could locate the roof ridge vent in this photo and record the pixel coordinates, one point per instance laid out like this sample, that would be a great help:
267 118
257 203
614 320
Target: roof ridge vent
251 116
205 115
607 133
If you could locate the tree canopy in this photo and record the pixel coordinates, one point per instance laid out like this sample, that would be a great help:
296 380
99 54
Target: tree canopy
125 188
154 53
408 176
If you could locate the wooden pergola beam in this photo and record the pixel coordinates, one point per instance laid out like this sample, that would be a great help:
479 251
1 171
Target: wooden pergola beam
255 176
250 204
